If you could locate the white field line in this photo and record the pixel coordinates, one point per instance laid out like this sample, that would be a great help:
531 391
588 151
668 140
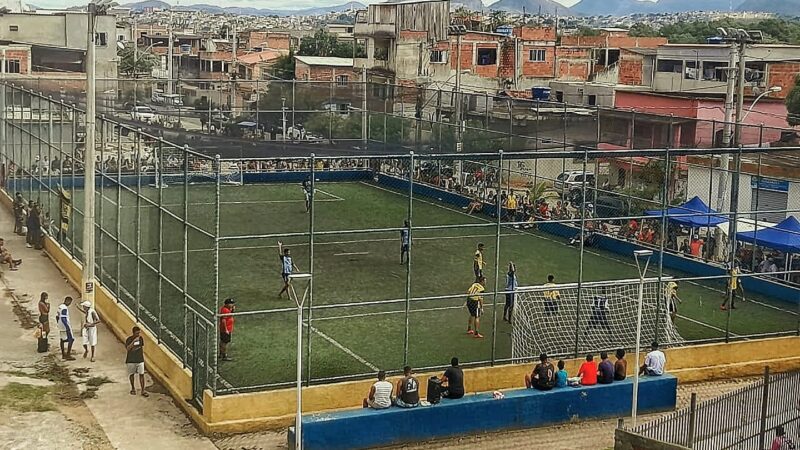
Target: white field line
343 348
257 247
628 263
333 198
351 253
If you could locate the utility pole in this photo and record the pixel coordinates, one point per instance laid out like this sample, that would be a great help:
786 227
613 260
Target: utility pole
170 56
458 31
364 118
727 130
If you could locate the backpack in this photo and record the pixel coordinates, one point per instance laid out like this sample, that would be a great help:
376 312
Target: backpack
434 390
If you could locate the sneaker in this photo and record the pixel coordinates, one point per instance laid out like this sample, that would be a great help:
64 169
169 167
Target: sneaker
723 308
470 332
478 336
17 262
28 245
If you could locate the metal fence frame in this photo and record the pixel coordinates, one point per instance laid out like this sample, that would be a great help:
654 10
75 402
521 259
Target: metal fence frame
197 313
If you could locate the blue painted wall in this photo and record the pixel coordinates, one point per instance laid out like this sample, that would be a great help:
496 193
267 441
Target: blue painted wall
521 408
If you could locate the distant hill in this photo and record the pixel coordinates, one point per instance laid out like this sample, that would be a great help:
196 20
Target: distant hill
215 9
622 7
472 5
530 6
784 7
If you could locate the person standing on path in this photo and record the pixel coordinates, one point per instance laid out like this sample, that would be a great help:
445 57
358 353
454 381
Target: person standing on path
134 345
89 330
65 329
44 314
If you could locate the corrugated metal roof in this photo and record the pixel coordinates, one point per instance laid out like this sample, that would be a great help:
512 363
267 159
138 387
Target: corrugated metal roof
325 61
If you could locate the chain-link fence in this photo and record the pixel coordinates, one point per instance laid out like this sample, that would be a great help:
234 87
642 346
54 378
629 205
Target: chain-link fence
391 236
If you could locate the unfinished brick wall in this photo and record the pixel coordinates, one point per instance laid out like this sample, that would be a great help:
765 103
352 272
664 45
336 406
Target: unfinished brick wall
21 55
535 33
538 69
304 71
783 75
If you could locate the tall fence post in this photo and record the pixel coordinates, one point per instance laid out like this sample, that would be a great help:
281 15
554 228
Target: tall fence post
409 217
311 238
692 421
498 230
764 402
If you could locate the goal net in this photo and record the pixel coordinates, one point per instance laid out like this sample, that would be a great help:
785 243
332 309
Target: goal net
552 319
201 171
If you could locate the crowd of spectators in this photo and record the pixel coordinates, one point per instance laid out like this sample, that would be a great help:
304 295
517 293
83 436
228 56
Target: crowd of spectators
544 377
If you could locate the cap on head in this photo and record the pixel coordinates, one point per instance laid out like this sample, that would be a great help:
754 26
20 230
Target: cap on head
86 304
230 301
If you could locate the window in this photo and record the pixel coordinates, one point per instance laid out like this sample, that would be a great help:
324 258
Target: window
101 39
537 55
559 96
12 66
715 71
13 28
690 72
487 56
341 80
592 100
670 65
439 56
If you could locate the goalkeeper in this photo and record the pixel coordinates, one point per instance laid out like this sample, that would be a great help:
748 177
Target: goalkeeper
474 305
599 317
672 300
551 297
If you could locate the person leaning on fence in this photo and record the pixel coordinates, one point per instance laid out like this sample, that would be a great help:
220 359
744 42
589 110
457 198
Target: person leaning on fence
407 390
380 394
654 362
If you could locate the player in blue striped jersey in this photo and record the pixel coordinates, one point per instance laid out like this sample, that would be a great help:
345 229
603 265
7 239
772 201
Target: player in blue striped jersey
405 242
287 267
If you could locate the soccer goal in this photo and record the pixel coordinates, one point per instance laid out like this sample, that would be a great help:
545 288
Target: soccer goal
201 172
551 319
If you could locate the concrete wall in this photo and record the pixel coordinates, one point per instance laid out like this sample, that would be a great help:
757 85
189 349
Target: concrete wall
63 30
625 440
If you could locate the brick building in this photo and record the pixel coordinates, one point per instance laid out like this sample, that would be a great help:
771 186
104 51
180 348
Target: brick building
323 68
16 58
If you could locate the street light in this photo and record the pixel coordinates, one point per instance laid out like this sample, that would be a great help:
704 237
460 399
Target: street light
283 113
94 9
298 422
773 89
645 254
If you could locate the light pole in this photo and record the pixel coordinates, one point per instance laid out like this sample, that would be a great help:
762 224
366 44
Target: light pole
458 31
645 254
773 89
283 113
298 421
94 9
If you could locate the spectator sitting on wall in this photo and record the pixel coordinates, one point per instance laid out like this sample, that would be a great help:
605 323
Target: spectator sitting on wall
605 370
621 366
647 235
685 247
561 375
543 376
407 390
453 381
380 394
654 362
475 205
5 256
696 246
543 211
588 371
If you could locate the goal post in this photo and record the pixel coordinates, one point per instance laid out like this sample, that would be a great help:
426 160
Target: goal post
551 318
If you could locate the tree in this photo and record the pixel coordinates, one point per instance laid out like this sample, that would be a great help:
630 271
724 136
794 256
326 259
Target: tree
132 63
643 30
284 67
497 18
326 44
793 104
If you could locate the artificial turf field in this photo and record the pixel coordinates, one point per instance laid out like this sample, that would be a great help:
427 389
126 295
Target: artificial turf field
352 268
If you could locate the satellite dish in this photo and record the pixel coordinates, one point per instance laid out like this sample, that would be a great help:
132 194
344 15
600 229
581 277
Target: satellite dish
120 45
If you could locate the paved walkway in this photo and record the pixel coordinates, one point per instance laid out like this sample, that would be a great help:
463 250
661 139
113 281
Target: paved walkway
72 418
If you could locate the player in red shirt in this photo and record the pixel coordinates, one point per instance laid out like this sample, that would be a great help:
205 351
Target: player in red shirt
226 327
588 371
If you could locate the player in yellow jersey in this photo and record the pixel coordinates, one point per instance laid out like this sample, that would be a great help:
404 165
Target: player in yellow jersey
478 263
474 305
551 296
733 287
671 295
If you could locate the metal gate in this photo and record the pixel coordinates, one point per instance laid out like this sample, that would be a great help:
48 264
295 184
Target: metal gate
200 359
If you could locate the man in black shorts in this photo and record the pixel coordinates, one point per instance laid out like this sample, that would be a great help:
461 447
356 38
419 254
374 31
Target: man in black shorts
287 266
226 327
551 296
599 318
405 242
475 306
453 381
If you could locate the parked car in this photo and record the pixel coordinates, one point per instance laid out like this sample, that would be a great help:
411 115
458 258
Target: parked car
571 179
143 113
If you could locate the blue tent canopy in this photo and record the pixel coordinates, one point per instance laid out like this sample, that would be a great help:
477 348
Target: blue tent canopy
694 213
784 236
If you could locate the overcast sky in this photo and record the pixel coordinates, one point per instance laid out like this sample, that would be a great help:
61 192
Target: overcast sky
272 4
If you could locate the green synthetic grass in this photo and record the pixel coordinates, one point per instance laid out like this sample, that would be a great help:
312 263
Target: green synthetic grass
352 268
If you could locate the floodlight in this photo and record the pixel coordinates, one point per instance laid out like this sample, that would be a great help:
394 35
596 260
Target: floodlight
642 252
